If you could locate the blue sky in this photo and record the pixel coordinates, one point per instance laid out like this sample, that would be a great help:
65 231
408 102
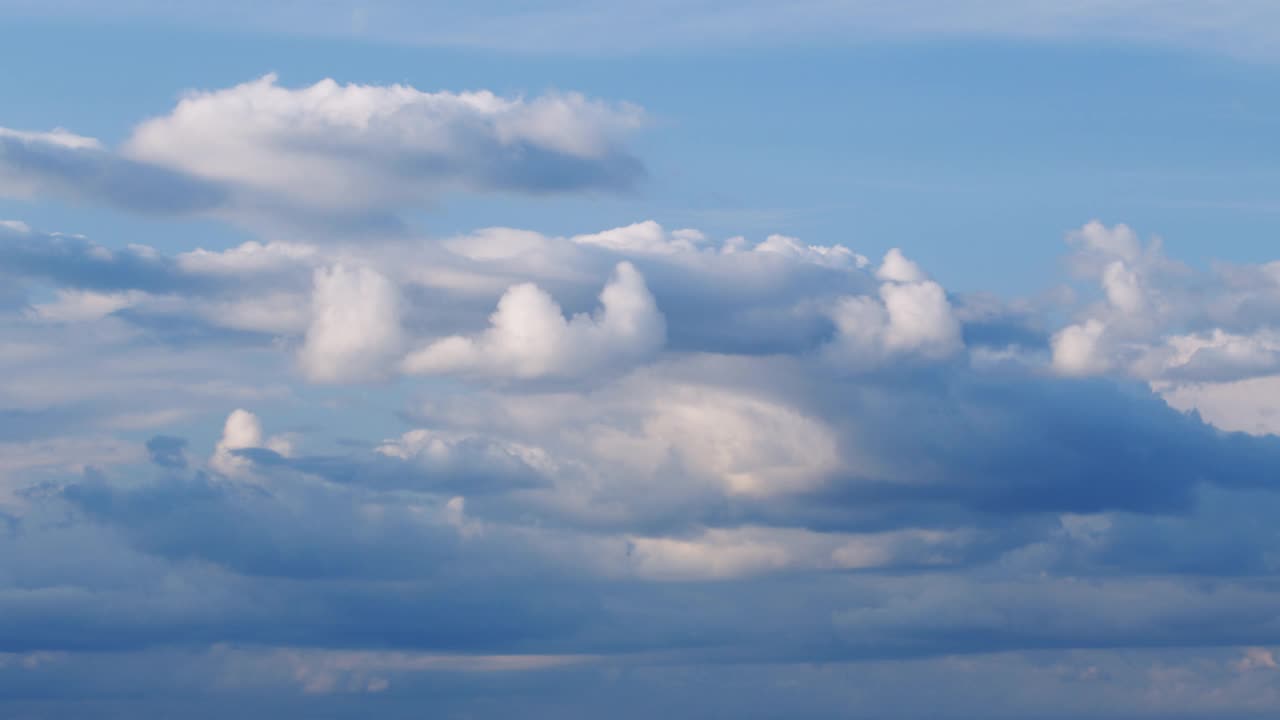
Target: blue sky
392 359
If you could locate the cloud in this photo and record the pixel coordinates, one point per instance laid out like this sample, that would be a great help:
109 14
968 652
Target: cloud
355 326
912 316
330 156
242 431
644 238
735 453
168 451
364 147
1076 349
79 169
530 337
78 263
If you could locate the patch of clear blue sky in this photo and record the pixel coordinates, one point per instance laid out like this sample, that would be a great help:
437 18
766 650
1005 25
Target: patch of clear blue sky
973 156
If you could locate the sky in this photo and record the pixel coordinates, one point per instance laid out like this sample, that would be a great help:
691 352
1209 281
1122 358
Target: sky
704 359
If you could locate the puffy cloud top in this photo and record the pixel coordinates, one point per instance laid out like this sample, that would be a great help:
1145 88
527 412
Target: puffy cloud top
530 337
371 147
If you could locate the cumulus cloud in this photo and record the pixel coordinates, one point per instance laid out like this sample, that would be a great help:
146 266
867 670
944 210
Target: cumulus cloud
355 329
249 257
912 316
1077 351
328 155
771 452
749 445
643 237
363 147
529 335
243 431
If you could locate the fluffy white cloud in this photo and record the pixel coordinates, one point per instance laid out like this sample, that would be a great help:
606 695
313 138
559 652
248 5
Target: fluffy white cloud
243 431
1213 355
530 337
1098 243
360 147
1077 349
1204 341
677 433
911 316
897 268
355 330
833 256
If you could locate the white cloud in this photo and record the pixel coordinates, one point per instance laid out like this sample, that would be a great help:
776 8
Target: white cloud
643 238
530 337
750 445
833 256
911 316
1078 350
1215 355
1098 242
897 268
59 137
77 306
1246 405
361 147
355 330
243 431
920 318
246 258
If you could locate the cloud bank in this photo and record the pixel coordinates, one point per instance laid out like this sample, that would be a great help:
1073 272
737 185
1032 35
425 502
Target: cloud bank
662 468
